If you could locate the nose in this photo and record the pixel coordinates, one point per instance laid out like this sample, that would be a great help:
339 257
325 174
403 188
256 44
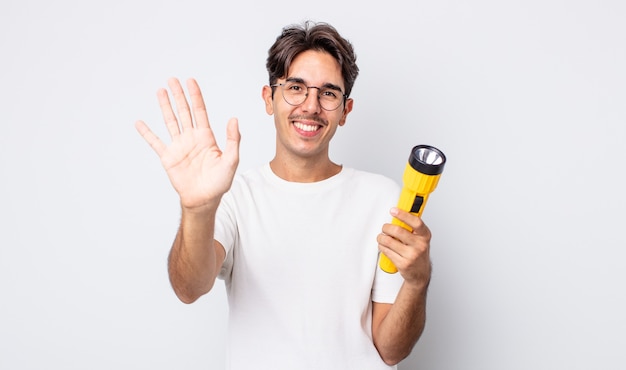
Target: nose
312 101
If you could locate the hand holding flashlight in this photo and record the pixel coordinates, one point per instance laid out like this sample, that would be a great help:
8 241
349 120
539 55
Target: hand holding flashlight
421 176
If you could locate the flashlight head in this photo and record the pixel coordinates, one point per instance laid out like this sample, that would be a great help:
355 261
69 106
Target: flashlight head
427 159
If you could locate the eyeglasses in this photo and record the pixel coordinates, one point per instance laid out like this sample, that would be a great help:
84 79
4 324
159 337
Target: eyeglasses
295 93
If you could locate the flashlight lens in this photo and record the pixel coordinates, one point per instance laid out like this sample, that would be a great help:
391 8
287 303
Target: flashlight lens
429 156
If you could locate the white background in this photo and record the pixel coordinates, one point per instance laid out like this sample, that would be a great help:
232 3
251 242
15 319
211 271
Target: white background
526 98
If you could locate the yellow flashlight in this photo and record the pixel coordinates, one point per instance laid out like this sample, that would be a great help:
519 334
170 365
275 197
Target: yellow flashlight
421 175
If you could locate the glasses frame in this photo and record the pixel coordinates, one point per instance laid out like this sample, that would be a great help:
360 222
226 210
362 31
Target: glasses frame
319 91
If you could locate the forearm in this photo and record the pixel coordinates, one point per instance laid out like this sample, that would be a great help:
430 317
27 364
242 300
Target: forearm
193 262
403 325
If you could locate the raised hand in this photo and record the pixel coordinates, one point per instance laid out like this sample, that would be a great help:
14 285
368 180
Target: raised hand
199 171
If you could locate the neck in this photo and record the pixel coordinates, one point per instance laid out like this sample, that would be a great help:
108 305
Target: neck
304 171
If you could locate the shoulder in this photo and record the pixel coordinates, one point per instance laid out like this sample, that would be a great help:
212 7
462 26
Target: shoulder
248 178
366 178
376 188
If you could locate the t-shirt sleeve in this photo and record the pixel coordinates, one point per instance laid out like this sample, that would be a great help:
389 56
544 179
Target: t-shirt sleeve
226 232
386 286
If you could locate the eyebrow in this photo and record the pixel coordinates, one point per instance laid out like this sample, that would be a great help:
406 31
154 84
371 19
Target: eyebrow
327 85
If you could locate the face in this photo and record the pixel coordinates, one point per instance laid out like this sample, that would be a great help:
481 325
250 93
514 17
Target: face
305 131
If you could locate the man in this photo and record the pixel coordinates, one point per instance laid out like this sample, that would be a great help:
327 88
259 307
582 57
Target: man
297 240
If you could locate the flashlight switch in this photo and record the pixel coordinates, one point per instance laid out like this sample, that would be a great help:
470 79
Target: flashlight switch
417 204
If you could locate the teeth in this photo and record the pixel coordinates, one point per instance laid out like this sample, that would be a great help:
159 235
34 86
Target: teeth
304 127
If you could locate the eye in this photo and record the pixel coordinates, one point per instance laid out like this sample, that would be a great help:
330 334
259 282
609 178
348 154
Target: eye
329 94
295 87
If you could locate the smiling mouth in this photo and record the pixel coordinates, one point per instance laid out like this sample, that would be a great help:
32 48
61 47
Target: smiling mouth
305 127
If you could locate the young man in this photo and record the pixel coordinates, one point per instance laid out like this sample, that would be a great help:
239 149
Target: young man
297 240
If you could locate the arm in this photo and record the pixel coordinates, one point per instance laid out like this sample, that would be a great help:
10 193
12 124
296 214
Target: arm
200 173
396 328
195 258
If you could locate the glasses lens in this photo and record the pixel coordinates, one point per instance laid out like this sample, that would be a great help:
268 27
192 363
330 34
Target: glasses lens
330 99
294 93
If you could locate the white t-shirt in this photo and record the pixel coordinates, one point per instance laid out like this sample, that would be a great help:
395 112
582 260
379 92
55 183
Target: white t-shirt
301 269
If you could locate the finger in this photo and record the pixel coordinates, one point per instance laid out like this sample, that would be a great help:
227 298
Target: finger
413 221
233 138
419 237
400 252
168 113
150 137
392 249
397 233
389 243
182 107
197 104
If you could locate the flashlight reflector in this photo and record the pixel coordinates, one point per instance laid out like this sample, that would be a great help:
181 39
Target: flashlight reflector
429 156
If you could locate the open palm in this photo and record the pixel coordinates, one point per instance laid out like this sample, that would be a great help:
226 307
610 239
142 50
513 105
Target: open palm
199 171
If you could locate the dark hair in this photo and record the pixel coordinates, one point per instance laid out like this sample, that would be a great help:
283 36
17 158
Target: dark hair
296 39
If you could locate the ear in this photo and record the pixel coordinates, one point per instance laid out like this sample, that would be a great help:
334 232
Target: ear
346 110
266 94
